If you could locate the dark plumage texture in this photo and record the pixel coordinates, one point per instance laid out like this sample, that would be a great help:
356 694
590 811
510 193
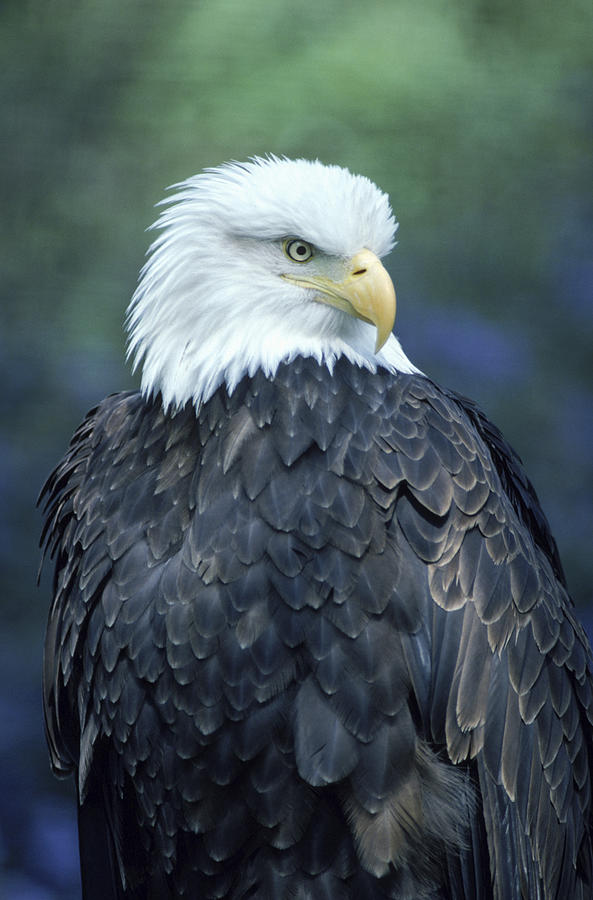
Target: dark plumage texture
314 642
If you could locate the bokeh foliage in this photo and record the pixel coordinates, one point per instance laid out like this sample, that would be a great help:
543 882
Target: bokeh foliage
472 115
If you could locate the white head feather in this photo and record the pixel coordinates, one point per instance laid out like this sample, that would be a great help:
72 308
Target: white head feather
211 305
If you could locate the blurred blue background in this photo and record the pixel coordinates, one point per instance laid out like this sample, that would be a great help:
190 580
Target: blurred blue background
476 117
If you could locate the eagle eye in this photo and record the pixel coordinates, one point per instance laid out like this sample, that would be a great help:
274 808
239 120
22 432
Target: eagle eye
297 250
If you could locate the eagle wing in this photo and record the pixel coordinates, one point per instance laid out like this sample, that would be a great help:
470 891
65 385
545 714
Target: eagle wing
509 684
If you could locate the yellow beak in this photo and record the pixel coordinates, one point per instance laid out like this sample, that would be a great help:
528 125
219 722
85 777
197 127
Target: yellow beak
366 292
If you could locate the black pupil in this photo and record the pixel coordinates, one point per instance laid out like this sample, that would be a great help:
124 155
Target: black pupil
301 250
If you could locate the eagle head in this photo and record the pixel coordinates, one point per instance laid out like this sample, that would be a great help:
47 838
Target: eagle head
257 263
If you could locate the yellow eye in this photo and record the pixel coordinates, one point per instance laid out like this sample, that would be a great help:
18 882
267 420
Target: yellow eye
297 250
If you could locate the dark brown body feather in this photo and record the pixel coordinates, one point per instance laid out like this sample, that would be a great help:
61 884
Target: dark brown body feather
278 624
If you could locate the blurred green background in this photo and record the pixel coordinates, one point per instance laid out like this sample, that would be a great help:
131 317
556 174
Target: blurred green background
476 117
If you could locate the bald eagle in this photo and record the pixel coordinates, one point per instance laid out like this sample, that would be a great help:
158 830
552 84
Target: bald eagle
310 634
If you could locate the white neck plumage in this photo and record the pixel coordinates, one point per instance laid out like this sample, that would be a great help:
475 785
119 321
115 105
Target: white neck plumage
185 368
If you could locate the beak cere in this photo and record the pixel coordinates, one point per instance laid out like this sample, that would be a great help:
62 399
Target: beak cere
366 293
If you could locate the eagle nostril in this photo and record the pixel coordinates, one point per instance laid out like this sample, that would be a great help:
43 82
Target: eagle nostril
359 272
